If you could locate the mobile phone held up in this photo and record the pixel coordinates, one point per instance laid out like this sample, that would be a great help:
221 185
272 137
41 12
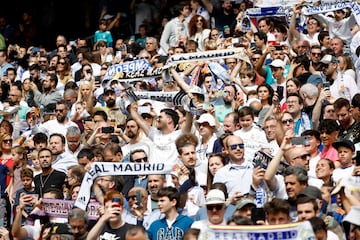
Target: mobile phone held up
107 129
303 140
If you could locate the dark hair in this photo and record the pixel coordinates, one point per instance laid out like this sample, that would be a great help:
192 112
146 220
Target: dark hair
136 151
317 224
304 61
40 138
53 78
63 139
27 172
246 111
277 205
328 126
306 199
322 35
313 133
71 85
210 178
101 113
192 24
86 152
340 103
184 140
301 101
170 192
270 89
261 36
173 114
355 101
240 220
9 125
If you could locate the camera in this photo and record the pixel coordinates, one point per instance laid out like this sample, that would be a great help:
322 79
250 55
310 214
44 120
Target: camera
107 129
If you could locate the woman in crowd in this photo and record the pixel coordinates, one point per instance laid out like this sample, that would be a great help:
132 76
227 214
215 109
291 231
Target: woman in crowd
215 162
63 70
199 30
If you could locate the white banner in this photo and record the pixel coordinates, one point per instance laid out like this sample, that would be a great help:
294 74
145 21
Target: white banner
58 208
239 53
355 8
112 169
293 231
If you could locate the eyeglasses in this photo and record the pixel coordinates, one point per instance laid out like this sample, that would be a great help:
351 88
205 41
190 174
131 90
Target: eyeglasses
140 159
59 110
234 146
324 65
204 124
315 54
217 207
303 157
312 23
62 63
287 121
7 141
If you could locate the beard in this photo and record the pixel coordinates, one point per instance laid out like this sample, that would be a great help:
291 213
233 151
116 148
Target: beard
110 103
60 118
47 89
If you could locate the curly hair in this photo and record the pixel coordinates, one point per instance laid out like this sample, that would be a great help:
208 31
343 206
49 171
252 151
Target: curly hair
192 24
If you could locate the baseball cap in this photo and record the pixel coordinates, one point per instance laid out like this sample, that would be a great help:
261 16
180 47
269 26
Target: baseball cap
353 216
207 117
329 59
109 89
312 192
277 63
215 196
344 143
243 202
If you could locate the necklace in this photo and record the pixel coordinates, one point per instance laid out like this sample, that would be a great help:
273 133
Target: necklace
44 182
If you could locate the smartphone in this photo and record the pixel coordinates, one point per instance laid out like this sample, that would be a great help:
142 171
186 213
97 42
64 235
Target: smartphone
138 198
278 48
303 140
280 92
107 129
144 109
326 85
236 40
117 201
35 198
252 45
257 214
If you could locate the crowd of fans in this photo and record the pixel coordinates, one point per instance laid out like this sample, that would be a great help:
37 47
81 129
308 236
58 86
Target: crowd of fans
270 135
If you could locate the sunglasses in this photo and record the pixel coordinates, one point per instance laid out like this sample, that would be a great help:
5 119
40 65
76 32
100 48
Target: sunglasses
7 141
316 54
59 110
199 20
140 159
254 59
61 63
145 57
234 146
217 207
303 157
324 65
285 121
42 61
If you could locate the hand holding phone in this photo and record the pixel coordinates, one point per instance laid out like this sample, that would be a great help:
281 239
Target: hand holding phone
107 129
257 214
303 140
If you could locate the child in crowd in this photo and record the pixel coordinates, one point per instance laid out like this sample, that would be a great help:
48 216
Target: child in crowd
27 178
346 151
19 156
253 136
103 34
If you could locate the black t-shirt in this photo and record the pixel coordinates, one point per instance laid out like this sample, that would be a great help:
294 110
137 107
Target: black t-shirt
55 179
119 233
221 19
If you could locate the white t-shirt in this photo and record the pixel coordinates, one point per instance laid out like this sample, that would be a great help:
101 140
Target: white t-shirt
165 149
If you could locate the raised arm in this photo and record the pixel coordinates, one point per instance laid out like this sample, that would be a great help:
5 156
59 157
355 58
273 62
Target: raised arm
138 119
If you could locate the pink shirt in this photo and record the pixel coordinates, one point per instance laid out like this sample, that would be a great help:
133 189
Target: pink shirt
329 153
